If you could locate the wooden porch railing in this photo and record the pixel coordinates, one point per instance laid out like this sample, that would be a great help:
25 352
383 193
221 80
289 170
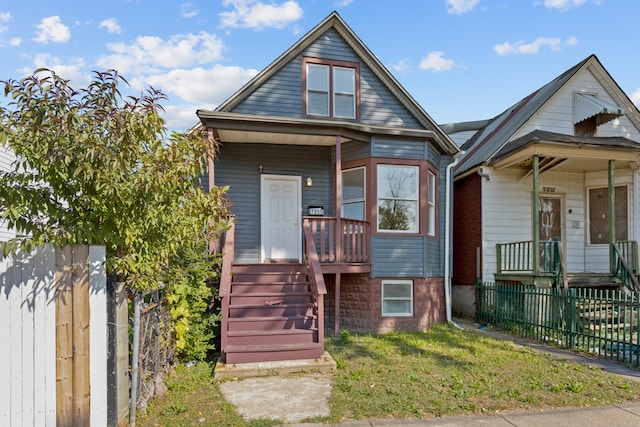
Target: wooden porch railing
355 239
227 250
318 286
517 257
626 263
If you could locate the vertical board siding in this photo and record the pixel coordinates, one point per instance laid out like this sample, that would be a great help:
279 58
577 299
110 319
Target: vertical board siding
282 94
240 171
99 334
37 324
27 331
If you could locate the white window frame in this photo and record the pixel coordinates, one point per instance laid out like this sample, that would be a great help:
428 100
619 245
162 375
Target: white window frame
408 283
589 212
431 203
416 223
311 89
337 93
363 199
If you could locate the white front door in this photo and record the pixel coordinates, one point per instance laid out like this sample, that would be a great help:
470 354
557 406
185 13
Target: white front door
281 235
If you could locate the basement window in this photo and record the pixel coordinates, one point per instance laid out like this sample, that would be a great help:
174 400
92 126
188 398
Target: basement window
397 298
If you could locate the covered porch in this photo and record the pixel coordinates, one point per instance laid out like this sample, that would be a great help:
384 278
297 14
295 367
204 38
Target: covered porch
581 228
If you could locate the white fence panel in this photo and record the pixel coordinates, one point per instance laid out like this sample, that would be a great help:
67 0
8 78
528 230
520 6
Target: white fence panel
28 338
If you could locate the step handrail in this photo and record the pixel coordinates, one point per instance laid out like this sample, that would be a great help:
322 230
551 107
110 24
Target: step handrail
624 271
227 250
312 263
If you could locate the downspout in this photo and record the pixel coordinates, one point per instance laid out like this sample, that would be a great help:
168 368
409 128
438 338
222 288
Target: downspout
133 401
447 237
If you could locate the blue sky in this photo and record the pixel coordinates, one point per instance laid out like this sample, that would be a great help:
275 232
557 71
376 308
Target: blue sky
462 60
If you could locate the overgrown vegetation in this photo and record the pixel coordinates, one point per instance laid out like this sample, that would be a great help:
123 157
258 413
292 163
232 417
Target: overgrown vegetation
95 167
441 372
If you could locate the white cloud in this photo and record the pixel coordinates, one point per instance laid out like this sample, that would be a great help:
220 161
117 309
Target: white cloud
187 10
51 29
15 41
635 97
153 53
71 69
520 47
258 15
563 5
181 118
458 7
435 61
343 3
4 18
111 25
202 86
401 66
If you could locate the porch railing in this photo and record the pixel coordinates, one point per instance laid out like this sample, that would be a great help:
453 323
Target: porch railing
354 237
517 257
625 261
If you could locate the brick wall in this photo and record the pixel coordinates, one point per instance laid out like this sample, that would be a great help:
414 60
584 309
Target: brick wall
467 228
361 304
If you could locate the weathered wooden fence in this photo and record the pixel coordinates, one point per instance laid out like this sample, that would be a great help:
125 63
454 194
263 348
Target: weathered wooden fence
53 330
602 322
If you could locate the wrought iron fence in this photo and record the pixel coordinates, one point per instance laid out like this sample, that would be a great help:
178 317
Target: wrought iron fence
600 322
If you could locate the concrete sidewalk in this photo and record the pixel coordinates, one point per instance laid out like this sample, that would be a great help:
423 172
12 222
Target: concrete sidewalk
292 398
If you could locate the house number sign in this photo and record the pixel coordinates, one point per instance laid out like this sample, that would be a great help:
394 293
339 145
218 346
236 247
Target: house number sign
548 189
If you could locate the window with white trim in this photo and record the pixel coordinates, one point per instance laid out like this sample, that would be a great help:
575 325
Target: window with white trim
331 88
599 214
397 298
398 198
353 193
431 203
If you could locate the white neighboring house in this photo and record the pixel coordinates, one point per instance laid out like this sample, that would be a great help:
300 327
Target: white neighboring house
541 172
6 159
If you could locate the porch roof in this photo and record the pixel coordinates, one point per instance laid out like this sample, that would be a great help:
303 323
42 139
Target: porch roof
567 152
237 127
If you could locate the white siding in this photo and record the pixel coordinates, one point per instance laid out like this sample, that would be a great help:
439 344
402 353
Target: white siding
557 114
506 211
6 158
506 214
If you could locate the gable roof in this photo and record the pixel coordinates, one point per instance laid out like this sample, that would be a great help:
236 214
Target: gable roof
489 141
334 21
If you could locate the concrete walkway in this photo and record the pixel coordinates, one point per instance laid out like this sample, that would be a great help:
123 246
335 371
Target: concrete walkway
303 392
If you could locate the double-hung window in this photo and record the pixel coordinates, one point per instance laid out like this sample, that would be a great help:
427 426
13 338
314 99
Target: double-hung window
398 198
353 193
331 88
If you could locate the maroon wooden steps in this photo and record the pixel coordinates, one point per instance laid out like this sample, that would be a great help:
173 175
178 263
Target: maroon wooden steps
271 315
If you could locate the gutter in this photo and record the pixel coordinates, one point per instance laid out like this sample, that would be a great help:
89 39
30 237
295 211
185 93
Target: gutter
447 238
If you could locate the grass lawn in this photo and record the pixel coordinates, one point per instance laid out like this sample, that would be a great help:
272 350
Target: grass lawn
443 371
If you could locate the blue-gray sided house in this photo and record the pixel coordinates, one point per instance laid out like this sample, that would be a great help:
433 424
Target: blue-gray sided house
337 180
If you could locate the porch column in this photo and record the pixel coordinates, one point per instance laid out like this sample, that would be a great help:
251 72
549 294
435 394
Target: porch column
339 232
535 216
612 215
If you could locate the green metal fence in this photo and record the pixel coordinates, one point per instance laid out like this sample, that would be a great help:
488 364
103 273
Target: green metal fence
601 322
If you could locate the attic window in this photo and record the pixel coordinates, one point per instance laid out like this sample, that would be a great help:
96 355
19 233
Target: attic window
331 88
590 111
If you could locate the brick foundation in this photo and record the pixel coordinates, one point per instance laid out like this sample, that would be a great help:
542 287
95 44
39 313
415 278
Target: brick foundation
361 304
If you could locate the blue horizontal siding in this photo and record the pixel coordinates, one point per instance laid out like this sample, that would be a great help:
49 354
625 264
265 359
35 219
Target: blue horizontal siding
281 95
397 256
239 169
